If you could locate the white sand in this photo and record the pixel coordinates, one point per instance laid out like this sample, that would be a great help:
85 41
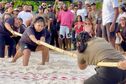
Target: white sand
61 69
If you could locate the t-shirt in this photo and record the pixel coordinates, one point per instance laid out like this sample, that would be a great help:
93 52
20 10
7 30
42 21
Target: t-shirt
108 10
79 27
66 18
98 50
25 16
31 31
10 21
82 13
3 30
22 28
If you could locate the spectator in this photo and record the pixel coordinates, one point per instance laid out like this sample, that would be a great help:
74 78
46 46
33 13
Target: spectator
42 14
109 16
26 16
65 26
81 11
15 12
88 27
78 27
122 31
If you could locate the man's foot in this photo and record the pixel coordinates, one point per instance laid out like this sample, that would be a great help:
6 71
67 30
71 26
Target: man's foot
41 63
13 61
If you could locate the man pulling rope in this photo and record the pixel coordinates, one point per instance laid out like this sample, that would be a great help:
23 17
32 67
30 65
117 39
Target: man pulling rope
91 51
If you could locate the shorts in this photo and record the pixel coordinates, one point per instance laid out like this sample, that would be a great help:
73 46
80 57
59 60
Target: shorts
64 32
27 46
106 33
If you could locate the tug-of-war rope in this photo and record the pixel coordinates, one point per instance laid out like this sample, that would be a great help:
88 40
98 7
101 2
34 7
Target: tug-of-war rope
105 64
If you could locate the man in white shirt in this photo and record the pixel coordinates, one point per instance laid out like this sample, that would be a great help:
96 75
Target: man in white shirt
109 16
81 11
26 16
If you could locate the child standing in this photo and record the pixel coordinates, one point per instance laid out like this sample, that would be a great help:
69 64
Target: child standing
78 27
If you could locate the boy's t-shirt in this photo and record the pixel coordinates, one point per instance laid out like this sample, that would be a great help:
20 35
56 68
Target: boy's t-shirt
31 31
99 50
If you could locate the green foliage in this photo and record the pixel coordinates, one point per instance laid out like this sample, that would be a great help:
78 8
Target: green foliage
99 5
30 2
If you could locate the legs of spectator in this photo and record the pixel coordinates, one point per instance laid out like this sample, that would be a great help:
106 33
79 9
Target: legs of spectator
11 48
56 39
61 41
52 42
73 39
2 47
109 36
104 33
66 43
69 43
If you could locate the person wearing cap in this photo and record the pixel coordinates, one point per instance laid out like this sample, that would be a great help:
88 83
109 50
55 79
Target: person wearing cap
15 12
42 14
91 51
110 14
51 13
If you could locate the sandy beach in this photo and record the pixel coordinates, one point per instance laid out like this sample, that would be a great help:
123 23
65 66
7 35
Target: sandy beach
61 69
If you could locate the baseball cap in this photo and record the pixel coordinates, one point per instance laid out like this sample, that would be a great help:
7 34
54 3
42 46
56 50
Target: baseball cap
40 7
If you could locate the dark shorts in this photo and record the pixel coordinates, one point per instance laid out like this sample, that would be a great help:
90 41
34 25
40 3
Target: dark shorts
106 33
107 75
16 39
27 46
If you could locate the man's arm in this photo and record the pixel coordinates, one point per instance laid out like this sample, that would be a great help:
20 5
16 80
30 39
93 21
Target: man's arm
8 27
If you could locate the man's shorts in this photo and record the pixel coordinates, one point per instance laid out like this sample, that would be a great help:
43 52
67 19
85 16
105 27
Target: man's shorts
106 33
27 46
64 32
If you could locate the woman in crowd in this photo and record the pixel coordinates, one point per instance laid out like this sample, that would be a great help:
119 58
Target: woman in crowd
122 31
78 27
7 28
30 41
88 27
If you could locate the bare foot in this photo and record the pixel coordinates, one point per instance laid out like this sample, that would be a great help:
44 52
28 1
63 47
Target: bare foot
41 63
13 61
